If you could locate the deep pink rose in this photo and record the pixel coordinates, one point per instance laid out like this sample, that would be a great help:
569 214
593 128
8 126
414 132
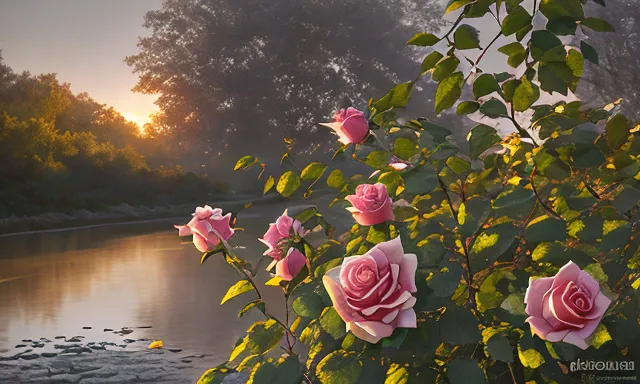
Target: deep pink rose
281 229
350 125
291 265
371 204
567 307
207 227
372 292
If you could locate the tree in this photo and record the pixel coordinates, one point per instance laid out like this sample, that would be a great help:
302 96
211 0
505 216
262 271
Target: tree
242 75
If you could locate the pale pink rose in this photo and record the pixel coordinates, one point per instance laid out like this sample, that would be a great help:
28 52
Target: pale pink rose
207 227
371 204
351 126
372 292
291 265
280 230
567 307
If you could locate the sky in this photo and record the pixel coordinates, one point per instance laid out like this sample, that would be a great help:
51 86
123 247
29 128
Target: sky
84 42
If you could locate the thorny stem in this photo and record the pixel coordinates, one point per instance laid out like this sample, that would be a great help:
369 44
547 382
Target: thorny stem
535 191
590 189
513 377
446 193
521 130
472 295
487 48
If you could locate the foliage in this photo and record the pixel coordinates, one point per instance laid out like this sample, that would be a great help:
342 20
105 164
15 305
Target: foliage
484 221
61 152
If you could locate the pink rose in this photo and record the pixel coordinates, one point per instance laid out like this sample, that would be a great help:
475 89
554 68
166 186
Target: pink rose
567 307
291 265
371 204
350 125
207 227
372 292
278 231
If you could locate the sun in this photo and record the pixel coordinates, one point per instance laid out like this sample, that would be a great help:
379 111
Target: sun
135 118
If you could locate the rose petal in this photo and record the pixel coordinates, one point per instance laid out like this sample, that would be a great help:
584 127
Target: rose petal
587 282
539 326
588 329
376 328
395 273
600 305
200 243
362 334
535 292
291 265
392 249
380 215
407 319
331 281
183 230
408 269
574 338
569 272
558 311
397 301
556 336
409 303
391 316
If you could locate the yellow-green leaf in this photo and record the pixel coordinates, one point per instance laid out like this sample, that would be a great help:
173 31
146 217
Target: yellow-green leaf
238 288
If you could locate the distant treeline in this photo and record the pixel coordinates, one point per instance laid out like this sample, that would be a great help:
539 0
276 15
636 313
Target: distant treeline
61 152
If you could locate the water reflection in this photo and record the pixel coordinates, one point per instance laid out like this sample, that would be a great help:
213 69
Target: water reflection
126 276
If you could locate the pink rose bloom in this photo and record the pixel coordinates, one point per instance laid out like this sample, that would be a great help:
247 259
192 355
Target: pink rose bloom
207 227
567 307
278 231
350 125
371 204
372 292
291 265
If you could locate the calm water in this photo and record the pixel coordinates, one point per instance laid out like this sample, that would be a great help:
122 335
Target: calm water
127 275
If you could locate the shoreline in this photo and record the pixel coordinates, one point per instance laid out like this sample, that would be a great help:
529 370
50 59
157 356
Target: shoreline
120 214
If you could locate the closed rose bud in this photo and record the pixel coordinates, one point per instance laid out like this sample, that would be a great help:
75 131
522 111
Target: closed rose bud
291 265
207 226
351 126
371 204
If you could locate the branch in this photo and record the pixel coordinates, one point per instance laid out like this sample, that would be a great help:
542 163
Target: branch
444 188
535 191
523 132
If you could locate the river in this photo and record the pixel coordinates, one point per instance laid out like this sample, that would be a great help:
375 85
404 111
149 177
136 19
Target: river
134 275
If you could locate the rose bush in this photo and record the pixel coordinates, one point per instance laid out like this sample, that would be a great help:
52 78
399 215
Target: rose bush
501 260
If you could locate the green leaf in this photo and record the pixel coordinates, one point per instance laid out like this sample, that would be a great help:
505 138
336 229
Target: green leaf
458 165
449 91
378 159
445 281
214 376
467 107
484 85
397 97
525 95
575 62
456 4
516 20
287 371
550 78
546 229
444 68
555 9
268 185
589 52
472 213
288 184
254 304
336 179
480 138
509 89
458 326
404 148
396 339
562 26
490 244
597 25
245 162
514 304
618 128
500 349
313 171
397 374
546 47
261 337
423 39
332 323
308 305
420 180
530 358
494 108
516 53
339 367
466 37
430 61
238 288
463 371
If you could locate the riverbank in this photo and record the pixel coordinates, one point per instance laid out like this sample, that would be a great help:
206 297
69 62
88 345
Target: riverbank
122 213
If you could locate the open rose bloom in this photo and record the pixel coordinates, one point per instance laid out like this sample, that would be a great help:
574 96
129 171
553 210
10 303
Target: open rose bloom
371 204
372 293
288 264
567 307
207 226
351 126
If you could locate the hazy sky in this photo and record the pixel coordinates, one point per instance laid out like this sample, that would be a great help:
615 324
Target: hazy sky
83 41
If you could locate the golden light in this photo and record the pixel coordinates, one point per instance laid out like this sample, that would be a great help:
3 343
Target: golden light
137 119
